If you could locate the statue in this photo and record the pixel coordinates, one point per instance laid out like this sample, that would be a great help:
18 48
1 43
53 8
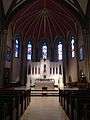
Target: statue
82 77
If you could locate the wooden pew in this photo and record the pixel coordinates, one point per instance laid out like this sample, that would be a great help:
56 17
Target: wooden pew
76 103
13 102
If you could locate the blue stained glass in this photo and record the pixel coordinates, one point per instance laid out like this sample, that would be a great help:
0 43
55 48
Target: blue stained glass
16 48
44 51
73 47
29 51
81 54
60 51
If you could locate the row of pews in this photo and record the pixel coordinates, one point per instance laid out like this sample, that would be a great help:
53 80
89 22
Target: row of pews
13 102
76 103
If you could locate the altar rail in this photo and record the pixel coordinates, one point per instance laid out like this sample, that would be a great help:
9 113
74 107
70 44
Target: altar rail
13 102
76 103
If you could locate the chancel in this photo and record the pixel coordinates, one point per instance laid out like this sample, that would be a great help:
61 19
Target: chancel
44 59
44 71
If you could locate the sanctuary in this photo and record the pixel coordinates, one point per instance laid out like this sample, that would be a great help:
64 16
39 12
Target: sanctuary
45 73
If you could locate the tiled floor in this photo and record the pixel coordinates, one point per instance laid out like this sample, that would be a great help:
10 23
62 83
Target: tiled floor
44 108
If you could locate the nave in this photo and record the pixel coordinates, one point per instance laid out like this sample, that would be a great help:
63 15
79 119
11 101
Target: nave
44 44
44 108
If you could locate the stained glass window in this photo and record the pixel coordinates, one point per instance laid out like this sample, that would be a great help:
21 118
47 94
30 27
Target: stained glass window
29 51
16 48
44 51
60 51
73 47
81 54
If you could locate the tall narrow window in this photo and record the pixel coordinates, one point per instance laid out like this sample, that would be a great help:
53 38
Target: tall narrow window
81 53
29 51
17 48
73 47
44 51
60 51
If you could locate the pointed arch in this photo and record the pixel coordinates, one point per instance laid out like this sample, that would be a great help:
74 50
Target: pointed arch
44 51
60 52
58 48
72 46
29 51
17 46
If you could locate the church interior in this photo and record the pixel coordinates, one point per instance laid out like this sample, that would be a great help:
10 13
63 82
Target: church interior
44 60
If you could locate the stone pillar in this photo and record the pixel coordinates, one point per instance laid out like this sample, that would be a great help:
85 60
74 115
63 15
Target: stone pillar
87 42
2 43
86 38
1 58
23 73
87 49
65 62
3 39
1 34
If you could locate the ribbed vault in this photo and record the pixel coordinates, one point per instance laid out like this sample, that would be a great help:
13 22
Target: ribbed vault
78 5
46 19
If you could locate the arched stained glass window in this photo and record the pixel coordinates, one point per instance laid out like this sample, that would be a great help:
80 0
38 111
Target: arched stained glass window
60 51
73 47
81 53
44 51
16 47
29 51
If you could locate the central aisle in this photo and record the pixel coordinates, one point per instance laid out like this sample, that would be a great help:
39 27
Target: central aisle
44 108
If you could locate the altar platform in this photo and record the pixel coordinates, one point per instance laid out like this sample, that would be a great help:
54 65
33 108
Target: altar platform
44 84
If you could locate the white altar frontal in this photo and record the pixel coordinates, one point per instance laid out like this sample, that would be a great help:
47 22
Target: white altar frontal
45 73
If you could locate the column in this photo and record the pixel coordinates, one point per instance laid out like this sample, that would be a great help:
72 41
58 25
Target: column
23 73
3 34
3 41
86 37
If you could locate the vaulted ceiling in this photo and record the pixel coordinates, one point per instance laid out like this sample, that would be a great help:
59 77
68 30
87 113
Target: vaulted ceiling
79 5
44 18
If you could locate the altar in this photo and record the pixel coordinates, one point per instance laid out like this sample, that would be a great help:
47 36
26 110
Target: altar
44 83
44 73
